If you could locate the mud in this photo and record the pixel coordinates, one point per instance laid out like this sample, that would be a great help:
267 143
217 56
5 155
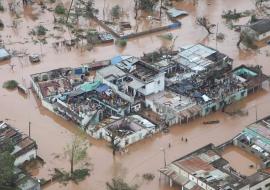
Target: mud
52 133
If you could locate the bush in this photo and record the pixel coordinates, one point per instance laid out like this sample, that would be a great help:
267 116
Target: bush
11 84
148 176
80 174
115 12
41 30
60 9
121 42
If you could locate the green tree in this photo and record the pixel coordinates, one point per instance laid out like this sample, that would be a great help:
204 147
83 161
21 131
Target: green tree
76 151
6 168
120 184
116 11
114 143
6 145
147 5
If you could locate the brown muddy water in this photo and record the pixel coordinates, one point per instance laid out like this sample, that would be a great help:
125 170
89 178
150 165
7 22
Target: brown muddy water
53 133
249 163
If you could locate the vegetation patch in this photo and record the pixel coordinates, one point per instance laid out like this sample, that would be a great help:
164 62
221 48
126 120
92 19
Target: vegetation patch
60 9
11 84
41 30
77 175
234 15
148 176
121 42
116 11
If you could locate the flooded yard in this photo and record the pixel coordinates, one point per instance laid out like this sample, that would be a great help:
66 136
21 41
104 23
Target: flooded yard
52 133
243 162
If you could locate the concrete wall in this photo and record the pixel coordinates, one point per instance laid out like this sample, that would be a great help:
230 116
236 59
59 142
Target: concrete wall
262 185
207 108
36 88
32 154
263 36
157 85
133 138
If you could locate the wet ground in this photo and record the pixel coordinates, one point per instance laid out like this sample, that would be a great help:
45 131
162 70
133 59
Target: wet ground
52 133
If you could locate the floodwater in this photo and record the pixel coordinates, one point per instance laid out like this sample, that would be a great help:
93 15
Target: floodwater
249 163
52 133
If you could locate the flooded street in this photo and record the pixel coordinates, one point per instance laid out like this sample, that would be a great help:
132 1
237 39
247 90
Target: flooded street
52 133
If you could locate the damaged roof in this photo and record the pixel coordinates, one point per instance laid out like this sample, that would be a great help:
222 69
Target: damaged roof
262 26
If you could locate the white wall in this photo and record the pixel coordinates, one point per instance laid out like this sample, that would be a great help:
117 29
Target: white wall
261 185
263 36
32 154
36 88
157 85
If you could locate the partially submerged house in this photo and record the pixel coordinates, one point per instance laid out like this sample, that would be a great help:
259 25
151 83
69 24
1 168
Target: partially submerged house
4 54
252 77
25 148
128 130
207 169
173 108
71 94
260 28
198 57
132 79
25 182
255 139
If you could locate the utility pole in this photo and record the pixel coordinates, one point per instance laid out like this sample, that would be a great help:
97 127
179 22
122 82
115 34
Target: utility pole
71 3
164 156
160 10
29 128
256 113
216 35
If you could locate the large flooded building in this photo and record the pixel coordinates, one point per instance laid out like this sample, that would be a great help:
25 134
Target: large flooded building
218 167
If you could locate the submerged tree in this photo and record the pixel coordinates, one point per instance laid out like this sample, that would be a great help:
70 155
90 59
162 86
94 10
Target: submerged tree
114 143
204 22
76 151
147 5
246 37
120 184
89 10
116 11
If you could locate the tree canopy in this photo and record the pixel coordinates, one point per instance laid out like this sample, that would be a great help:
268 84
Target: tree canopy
6 168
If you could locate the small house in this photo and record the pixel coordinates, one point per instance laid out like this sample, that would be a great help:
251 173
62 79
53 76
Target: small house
4 54
261 28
